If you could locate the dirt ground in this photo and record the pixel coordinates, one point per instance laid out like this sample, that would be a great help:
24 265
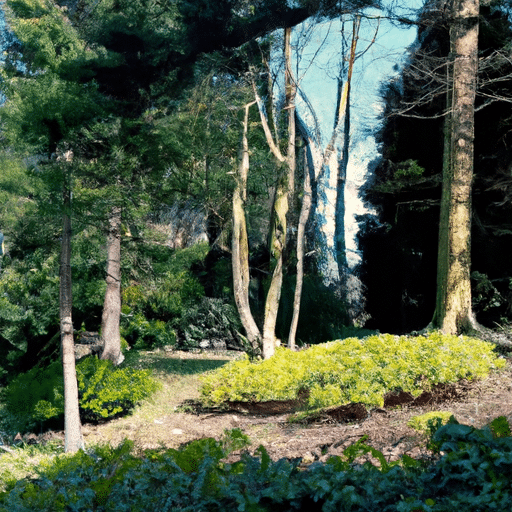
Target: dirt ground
472 403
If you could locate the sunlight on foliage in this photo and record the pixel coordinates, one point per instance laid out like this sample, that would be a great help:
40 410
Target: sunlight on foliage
353 370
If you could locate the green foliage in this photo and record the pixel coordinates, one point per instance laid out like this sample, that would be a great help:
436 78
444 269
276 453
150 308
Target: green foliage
36 398
29 295
474 473
409 170
167 308
106 391
149 333
353 370
27 287
430 421
210 320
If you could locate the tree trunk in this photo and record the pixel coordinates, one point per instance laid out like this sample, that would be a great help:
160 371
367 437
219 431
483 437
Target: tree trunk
72 425
301 239
453 313
110 334
284 191
240 244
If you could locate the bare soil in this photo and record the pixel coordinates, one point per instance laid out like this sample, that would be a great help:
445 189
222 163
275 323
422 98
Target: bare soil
174 418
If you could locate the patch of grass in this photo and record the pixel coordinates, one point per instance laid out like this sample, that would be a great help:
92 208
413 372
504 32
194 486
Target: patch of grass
20 462
161 362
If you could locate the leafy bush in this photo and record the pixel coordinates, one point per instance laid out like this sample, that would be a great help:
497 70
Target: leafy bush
144 333
152 311
430 421
353 370
474 473
107 391
36 398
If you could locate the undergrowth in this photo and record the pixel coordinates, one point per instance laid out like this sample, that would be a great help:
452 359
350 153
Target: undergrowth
36 398
471 471
353 370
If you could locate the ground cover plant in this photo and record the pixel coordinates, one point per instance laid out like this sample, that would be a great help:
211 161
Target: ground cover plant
353 370
472 471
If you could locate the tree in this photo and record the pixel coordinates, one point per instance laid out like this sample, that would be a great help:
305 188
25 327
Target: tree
110 334
72 426
40 113
240 244
453 312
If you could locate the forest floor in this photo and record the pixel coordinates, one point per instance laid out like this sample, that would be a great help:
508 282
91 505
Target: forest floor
172 417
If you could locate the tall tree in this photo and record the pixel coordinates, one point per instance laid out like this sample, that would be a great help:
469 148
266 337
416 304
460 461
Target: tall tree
240 243
110 334
453 312
73 440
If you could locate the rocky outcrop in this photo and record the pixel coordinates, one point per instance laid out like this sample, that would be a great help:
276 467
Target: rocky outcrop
88 343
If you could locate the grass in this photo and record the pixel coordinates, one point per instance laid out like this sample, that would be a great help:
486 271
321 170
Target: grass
178 373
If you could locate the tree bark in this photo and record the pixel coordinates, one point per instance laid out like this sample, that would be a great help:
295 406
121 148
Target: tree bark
110 334
301 242
72 426
284 190
453 313
240 244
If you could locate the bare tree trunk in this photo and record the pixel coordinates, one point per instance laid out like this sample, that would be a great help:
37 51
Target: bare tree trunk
240 244
453 302
301 240
72 425
284 190
110 334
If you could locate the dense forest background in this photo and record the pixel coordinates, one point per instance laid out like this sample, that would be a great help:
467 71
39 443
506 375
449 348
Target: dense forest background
138 106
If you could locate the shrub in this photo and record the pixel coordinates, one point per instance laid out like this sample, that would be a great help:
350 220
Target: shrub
353 370
430 421
107 391
36 398
474 473
143 333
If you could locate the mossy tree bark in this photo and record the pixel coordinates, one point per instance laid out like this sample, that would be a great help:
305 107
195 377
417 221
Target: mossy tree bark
72 426
110 334
453 312
240 244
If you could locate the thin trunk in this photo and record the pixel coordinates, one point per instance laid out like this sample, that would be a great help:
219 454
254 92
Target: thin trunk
240 245
453 304
301 239
110 334
72 426
284 190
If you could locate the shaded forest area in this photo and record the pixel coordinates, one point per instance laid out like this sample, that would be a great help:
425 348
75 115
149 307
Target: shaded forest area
401 246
